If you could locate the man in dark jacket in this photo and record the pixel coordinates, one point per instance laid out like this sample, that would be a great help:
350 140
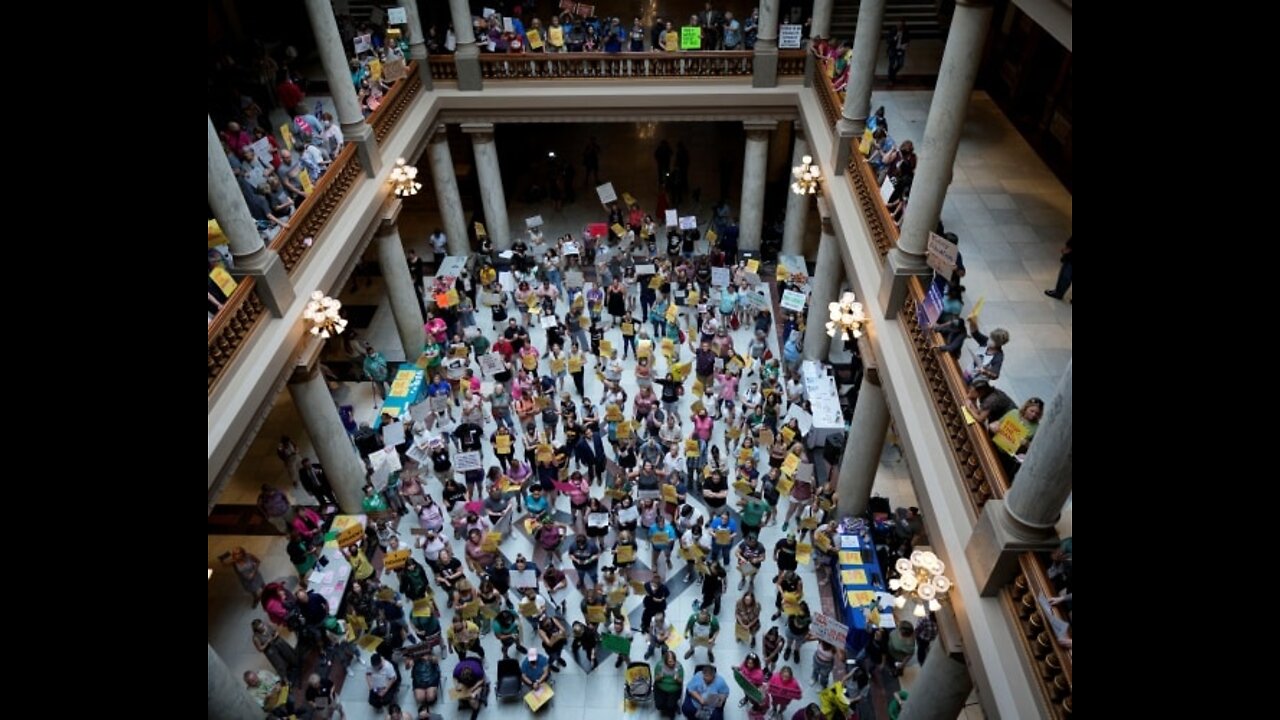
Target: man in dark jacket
313 480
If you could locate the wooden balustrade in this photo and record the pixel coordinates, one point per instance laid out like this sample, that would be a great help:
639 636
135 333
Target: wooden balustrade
791 62
319 207
1051 660
443 67
832 105
233 325
395 103
551 66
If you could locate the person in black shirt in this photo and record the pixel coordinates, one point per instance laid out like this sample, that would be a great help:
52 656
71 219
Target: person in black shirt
788 582
674 243
469 436
714 491
713 587
655 601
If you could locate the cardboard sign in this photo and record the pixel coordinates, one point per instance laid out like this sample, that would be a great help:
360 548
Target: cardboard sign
624 554
223 280
535 39
741 632
607 193
672 220
535 699
423 608
804 553
690 38
792 300
689 222
790 37
1011 433
942 255
396 559
467 461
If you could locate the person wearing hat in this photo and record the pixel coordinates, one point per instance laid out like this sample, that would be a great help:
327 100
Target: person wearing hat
535 668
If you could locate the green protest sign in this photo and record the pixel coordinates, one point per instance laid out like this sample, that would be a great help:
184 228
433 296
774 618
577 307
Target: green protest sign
616 643
690 38
753 692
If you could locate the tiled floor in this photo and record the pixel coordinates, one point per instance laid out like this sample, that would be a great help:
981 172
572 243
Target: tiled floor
1011 216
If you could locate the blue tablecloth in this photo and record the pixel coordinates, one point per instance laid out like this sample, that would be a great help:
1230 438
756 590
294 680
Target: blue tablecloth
401 402
857 553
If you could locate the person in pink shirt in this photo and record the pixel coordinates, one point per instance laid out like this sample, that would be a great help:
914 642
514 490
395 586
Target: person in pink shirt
728 389
702 425
579 496
783 688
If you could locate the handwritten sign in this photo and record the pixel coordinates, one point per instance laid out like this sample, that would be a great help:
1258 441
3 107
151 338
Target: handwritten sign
350 535
792 300
467 461
691 38
942 255
672 220
491 364
689 222
397 16
720 276
790 37
396 559
607 193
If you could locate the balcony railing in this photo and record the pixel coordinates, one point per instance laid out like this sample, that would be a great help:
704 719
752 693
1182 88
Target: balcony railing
234 323
597 65
1052 661
395 103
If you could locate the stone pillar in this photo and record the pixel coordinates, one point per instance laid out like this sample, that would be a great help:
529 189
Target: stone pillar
820 27
333 56
342 465
825 283
446 184
490 173
1024 520
766 51
862 70
467 54
395 272
866 440
937 152
754 164
797 205
940 689
417 42
228 698
249 256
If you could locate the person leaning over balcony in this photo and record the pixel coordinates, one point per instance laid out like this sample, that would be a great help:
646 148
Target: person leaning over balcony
989 362
987 402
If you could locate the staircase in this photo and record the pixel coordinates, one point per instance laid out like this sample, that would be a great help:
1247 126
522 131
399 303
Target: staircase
921 16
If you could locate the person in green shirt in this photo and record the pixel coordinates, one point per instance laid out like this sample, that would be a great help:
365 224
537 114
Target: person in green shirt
668 677
752 514
375 368
702 629
895 704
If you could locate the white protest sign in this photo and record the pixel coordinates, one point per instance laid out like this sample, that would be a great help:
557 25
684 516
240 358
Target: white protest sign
826 628
672 220
467 461
486 12
607 193
574 279
799 413
689 222
524 578
570 248
491 364
646 269
533 222
548 321
942 255
392 434
508 25
790 37
720 276
397 16
262 149
507 281
363 44
792 300
886 190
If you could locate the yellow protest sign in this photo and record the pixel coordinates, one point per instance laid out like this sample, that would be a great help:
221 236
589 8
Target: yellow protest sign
624 554
822 542
557 365
849 557
694 297
753 266
618 229
853 577
304 178
660 538
613 413
698 388
629 199
809 523
491 542
741 632
606 348
470 610
764 437
287 134
673 41
423 607
655 282
969 419
788 435
743 487
396 559
785 483
712 237
595 613
804 553
624 429
858 598
528 608
584 321
864 145
782 274
502 444
724 536
791 603
644 349
480 231
790 464
681 371
1011 433
977 308
744 454
535 39
375 70
628 327
575 363
673 312
691 448
223 280
369 642
350 535
556 36
669 494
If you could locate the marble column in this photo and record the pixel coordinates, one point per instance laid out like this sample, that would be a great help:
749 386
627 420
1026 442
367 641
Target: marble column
866 441
825 288
941 688
228 698
819 27
862 70
417 41
333 56
342 465
445 183
1024 519
395 272
797 205
754 164
937 152
250 257
490 174
765 63
467 54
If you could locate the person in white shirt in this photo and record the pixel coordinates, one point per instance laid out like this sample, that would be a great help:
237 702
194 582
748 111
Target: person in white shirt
438 242
384 682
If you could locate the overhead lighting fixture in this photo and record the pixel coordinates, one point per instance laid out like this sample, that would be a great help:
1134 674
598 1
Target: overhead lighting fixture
920 579
847 318
404 181
322 313
806 176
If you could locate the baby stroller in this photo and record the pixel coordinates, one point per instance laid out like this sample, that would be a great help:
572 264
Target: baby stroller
639 683
508 686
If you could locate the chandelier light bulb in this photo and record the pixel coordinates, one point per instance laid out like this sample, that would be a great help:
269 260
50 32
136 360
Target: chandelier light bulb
404 179
323 313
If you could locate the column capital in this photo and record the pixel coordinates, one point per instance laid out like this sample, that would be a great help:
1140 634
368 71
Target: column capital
308 362
479 132
389 214
438 133
756 129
